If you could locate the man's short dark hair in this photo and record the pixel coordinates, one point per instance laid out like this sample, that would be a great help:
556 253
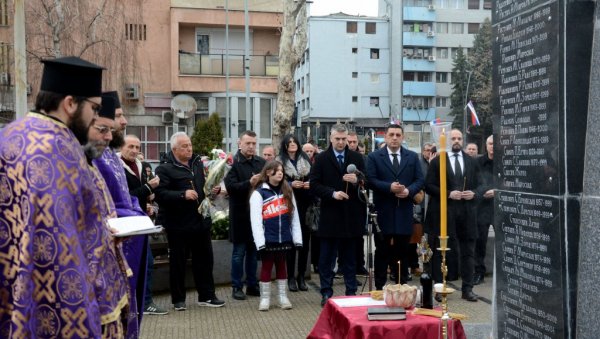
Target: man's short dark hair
352 133
248 133
394 126
49 101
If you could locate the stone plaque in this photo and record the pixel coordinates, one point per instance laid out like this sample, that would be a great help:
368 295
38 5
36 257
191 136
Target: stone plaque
541 59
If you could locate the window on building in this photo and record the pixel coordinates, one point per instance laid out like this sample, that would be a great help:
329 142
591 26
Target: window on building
303 106
354 75
423 76
408 76
370 28
375 77
441 102
441 53
203 43
245 121
473 28
441 77
457 28
374 53
265 118
354 50
4 13
221 109
354 98
441 27
351 27
487 4
201 110
374 101
154 140
135 32
473 4
454 53
302 85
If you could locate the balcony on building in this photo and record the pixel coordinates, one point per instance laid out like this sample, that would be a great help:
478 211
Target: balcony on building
418 114
425 13
202 54
418 60
418 88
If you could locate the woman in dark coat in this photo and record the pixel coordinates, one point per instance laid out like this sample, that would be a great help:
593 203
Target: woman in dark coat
297 166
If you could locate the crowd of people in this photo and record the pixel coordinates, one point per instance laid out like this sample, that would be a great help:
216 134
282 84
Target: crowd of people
68 168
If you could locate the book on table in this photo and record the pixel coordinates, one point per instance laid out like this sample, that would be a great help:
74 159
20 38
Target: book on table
386 313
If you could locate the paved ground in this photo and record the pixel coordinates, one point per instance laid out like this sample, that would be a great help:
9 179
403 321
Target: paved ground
241 319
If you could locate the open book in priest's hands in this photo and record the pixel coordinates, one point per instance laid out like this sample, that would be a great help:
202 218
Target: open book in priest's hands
136 225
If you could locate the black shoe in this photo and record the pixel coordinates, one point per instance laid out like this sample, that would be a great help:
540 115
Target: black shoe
292 285
324 300
438 297
301 283
478 279
469 296
238 294
253 291
212 302
362 271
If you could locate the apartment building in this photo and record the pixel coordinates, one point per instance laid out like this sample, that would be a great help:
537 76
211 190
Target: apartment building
432 33
344 75
168 60
417 42
184 62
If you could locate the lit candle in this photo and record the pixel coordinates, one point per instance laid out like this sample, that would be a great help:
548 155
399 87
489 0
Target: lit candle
443 193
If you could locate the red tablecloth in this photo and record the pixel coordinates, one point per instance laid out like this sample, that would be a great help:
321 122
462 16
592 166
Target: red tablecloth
351 322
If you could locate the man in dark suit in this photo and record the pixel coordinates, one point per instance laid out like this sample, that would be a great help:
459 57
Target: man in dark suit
244 174
343 213
395 176
462 176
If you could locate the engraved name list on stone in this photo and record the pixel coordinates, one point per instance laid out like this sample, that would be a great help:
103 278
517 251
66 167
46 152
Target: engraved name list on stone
527 265
527 57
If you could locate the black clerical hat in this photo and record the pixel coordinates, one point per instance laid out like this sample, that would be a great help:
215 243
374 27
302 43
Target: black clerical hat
108 107
115 96
72 76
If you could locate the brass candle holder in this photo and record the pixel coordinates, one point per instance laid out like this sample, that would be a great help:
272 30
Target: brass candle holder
445 290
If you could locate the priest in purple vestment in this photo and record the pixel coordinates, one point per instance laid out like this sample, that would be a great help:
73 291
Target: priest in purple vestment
134 247
60 273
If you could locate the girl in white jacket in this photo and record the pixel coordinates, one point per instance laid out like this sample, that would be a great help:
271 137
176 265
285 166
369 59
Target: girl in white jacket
275 228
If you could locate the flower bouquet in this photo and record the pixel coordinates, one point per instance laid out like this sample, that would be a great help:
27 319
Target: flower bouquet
216 206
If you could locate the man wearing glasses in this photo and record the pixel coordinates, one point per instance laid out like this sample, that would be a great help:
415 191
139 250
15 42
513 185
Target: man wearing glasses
135 247
57 258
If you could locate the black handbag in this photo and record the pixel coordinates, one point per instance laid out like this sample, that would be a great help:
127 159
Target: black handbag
313 214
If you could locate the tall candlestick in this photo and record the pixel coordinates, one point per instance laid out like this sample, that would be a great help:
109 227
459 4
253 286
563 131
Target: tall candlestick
443 190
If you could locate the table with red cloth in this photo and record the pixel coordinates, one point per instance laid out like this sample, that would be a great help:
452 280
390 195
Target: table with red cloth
351 322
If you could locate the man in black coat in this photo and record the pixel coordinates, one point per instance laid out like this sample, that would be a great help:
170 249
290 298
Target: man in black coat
343 210
462 176
485 215
179 194
244 174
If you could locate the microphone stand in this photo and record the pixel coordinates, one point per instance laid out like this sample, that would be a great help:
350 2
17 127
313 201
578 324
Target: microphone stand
371 222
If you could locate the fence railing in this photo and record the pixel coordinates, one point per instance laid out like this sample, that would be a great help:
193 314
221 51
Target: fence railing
214 64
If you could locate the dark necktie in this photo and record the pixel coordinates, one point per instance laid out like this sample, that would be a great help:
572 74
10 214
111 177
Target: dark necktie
458 175
341 161
395 163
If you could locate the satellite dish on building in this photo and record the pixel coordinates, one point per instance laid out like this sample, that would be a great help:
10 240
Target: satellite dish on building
183 106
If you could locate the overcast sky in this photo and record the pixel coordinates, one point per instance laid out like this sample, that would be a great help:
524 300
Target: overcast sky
353 7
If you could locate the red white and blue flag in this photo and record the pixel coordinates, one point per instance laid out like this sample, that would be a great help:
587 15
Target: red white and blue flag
474 118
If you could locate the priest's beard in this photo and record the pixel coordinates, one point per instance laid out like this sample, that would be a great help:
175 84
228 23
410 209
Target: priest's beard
78 126
118 140
91 150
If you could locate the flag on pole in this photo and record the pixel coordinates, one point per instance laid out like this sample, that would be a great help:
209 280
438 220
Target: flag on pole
474 118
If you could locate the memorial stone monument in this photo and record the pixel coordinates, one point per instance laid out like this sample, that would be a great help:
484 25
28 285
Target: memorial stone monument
541 78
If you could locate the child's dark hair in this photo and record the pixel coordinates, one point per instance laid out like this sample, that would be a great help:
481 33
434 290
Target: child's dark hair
269 169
